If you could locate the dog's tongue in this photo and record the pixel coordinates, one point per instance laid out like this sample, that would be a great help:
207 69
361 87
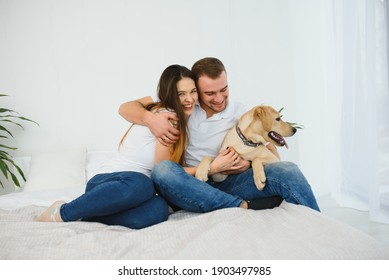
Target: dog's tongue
282 141
278 138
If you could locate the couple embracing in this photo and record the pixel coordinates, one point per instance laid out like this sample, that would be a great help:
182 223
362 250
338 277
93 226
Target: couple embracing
159 155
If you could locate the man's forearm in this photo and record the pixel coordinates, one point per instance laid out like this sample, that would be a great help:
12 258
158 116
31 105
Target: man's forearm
159 124
134 111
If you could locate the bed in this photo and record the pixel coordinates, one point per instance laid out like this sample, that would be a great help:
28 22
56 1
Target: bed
286 232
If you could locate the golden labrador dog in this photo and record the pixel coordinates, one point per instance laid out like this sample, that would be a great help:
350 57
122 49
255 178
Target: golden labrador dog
255 128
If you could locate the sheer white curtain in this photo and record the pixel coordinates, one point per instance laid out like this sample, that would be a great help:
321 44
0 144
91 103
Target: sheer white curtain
357 72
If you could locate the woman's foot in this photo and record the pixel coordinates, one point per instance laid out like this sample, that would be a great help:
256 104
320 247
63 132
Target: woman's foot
52 213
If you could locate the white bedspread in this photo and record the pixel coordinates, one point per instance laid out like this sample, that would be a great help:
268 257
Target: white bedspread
286 232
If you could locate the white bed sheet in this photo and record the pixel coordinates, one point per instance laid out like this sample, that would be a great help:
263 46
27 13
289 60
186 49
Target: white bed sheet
286 232
45 198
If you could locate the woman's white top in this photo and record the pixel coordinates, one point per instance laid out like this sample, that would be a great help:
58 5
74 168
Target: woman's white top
137 153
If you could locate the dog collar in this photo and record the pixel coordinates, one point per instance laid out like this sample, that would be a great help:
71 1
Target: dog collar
246 141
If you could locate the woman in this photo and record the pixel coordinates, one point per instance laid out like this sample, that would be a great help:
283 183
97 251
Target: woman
122 193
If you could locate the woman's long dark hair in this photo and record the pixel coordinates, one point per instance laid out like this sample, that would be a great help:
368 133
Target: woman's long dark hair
169 99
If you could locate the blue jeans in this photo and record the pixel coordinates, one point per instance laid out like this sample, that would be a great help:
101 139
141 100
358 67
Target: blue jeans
120 198
186 192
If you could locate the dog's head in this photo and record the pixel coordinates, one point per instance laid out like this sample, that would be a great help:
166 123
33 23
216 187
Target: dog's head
268 123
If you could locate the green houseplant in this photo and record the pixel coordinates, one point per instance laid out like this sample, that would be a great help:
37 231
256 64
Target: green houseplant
9 117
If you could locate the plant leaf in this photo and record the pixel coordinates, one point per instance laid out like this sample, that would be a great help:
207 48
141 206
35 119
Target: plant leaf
6 130
4 168
7 147
296 125
6 171
15 180
8 116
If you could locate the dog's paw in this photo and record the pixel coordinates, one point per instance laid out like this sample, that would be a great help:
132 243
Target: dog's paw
218 177
202 173
203 169
260 184
202 176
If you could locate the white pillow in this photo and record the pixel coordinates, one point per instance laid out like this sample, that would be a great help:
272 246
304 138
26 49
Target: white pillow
95 159
56 170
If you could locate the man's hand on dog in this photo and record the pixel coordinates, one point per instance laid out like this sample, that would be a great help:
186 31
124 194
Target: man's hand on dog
228 162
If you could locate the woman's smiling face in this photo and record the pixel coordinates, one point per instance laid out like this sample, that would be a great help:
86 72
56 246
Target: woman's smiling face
187 93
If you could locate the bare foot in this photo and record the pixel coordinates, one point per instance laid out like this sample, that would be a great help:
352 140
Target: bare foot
52 213
244 204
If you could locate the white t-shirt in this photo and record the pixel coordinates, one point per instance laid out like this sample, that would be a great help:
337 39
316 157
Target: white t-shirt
137 153
206 135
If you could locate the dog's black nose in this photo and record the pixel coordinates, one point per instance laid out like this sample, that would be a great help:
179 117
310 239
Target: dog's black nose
294 130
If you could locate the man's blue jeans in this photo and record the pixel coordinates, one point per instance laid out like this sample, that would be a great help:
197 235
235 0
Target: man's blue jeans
185 191
121 198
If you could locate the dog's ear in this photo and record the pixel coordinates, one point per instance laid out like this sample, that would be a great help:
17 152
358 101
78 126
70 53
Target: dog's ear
263 113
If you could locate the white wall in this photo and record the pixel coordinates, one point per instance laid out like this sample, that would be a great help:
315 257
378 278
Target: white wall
70 64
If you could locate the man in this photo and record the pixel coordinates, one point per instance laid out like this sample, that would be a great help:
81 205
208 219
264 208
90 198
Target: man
210 121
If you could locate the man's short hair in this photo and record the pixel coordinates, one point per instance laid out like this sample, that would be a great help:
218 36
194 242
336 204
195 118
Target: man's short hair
208 66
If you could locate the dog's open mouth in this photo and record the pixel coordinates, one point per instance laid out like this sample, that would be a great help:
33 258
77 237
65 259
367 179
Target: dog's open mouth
278 139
